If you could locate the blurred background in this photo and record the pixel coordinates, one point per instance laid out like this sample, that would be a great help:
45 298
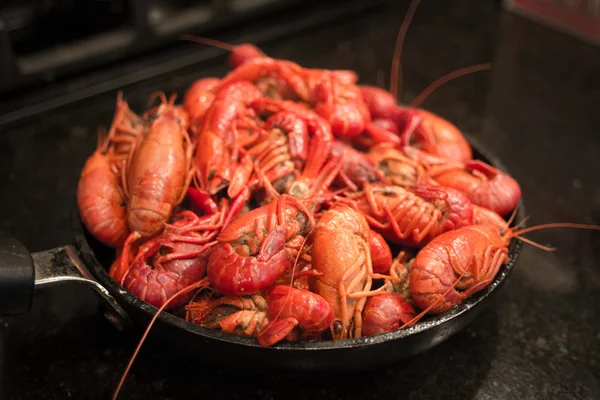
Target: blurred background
63 61
102 45
59 51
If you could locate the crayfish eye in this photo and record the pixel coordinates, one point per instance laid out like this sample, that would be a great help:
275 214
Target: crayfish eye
384 167
337 327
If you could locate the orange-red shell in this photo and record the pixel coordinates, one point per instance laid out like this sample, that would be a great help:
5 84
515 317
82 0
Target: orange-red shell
157 175
477 249
101 205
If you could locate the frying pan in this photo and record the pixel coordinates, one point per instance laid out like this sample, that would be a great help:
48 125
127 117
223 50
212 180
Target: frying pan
87 263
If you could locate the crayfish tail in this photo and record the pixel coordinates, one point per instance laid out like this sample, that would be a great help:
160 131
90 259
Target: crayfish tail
275 331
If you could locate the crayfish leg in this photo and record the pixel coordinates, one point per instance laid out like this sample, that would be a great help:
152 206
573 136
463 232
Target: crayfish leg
274 243
118 273
277 330
493 260
236 207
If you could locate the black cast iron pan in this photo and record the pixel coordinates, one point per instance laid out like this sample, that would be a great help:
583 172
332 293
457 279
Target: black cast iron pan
87 262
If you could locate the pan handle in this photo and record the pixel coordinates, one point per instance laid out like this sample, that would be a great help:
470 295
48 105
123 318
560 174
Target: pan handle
17 277
21 272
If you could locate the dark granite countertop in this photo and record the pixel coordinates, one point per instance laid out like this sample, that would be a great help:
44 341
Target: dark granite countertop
537 110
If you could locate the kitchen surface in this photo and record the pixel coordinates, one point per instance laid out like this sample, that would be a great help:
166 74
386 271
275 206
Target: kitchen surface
536 110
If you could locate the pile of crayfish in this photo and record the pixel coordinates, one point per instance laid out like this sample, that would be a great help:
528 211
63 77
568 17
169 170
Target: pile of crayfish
269 203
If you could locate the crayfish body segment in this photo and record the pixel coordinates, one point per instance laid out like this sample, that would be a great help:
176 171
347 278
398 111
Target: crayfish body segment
385 313
258 247
100 200
485 185
455 265
294 314
341 254
413 217
158 174
162 266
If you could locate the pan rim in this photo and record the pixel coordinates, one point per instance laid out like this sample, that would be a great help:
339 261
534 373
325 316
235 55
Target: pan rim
435 321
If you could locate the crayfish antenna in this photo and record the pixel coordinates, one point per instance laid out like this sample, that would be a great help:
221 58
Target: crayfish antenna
517 234
102 140
534 244
556 225
189 288
513 215
209 42
116 116
520 224
447 78
158 94
395 71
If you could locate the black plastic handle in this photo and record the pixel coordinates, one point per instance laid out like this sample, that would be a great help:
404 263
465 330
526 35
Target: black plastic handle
17 278
22 272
